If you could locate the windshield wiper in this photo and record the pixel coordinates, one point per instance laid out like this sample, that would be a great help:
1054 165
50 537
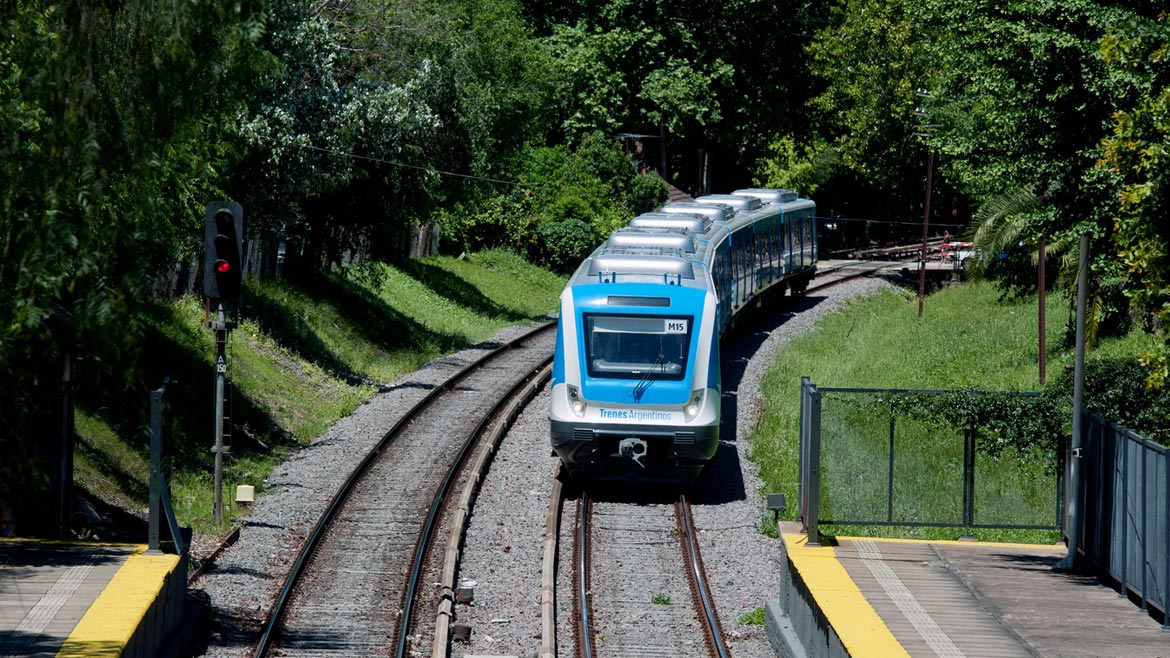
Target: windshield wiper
648 378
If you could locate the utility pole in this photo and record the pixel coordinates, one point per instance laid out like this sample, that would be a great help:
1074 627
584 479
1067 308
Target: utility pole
1041 320
924 130
925 231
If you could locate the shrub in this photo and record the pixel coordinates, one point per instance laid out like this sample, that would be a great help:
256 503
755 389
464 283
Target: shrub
563 244
1114 388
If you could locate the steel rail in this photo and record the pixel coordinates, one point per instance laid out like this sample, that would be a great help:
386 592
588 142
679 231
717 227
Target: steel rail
581 600
698 579
548 571
407 618
281 604
857 275
459 517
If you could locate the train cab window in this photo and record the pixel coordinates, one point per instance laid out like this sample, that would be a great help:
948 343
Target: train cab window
631 347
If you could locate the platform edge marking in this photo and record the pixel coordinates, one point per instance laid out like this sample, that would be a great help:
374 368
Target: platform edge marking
111 622
861 630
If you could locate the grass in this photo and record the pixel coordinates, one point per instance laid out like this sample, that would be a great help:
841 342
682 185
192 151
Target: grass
306 354
756 617
967 339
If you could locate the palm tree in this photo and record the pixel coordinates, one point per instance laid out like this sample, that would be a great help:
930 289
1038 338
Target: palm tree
1002 223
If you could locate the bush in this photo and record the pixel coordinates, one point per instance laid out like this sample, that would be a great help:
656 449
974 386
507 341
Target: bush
1114 388
563 244
559 190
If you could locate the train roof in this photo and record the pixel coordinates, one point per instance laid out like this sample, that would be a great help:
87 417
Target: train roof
719 212
695 223
609 264
766 195
667 238
741 203
667 245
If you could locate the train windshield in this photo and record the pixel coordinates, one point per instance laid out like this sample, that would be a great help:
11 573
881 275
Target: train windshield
631 346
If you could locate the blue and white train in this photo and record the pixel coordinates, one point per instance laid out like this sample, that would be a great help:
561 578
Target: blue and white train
636 380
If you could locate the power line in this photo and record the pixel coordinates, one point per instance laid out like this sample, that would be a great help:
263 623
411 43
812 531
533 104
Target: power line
885 221
431 170
498 181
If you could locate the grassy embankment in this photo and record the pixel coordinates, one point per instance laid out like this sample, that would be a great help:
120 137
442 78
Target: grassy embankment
967 340
305 356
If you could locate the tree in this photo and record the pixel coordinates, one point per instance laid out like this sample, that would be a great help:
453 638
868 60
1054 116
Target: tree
1137 152
112 119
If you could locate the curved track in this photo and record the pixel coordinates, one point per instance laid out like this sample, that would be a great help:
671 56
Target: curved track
352 589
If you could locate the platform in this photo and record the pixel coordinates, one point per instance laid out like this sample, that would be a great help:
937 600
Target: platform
881 598
87 599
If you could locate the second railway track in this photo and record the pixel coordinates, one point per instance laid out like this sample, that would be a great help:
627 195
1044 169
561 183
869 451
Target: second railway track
347 594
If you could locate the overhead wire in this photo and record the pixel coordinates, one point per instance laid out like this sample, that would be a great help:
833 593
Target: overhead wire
517 184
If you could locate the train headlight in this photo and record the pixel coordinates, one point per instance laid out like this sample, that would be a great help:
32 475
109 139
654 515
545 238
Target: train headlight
692 408
575 401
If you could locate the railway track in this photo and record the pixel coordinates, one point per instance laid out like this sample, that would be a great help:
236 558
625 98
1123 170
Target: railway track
356 583
837 272
637 581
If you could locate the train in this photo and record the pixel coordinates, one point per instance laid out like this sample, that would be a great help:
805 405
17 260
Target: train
636 383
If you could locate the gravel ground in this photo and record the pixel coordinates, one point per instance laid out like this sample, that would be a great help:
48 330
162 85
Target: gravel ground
502 554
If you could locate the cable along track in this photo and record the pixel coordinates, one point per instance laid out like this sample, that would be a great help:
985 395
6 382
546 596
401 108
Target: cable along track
639 588
353 588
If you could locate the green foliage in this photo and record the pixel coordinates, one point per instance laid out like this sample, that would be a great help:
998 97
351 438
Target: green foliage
1028 426
110 144
661 598
1114 388
804 171
756 617
569 201
872 57
565 243
1136 153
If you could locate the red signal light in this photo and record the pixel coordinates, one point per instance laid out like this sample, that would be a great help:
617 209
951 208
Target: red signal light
222 266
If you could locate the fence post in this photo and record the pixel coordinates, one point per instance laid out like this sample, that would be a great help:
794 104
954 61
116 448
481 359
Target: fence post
156 478
802 448
1144 538
812 523
969 477
160 497
1124 443
890 469
1166 550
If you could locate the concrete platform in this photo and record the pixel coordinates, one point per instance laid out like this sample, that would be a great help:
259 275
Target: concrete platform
924 599
75 599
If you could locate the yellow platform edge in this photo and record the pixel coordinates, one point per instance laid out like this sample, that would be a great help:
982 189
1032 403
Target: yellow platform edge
110 623
859 627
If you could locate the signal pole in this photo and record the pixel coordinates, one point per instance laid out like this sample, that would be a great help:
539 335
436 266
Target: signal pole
222 282
221 334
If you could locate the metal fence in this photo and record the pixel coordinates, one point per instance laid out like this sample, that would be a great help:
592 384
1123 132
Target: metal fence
881 457
1125 496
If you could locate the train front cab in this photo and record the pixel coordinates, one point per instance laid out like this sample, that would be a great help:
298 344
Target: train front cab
635 387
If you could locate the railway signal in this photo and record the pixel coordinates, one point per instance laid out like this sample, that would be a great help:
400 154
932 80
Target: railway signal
223 234
223 276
